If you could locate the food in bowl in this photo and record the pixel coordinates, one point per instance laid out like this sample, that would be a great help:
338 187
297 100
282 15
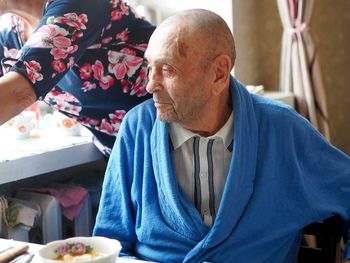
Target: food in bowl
76 252
80 249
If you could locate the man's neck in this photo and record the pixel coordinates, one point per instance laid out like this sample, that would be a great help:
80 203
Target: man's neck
212 127
212 118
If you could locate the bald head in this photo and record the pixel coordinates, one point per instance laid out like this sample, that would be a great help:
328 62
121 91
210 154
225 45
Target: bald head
190 56
201 30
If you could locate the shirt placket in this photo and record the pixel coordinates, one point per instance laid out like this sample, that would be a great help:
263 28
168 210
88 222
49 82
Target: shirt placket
205 180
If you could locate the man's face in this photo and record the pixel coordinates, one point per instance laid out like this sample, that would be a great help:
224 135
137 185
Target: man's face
177 77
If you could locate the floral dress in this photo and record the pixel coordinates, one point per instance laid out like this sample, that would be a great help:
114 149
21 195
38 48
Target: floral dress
85 59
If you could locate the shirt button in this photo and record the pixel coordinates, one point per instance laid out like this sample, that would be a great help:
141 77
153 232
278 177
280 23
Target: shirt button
205 211
203 174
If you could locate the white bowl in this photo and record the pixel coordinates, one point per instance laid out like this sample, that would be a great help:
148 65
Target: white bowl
110 249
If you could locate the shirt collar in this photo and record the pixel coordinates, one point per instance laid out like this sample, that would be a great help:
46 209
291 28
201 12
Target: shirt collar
179 135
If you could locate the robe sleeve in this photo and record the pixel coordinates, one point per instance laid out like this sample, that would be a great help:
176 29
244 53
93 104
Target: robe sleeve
326 177
115 218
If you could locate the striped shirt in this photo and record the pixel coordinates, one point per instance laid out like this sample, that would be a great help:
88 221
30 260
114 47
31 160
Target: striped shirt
201 166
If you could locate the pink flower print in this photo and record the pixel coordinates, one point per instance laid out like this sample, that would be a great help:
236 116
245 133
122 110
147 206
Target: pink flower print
33 68
73 20
107 127
53 94
139 88
108 26
141 47
112 126
11 53
95 46
62 53
105 81
107 40
117 116
128 51
67 107
114 3
85 71
123 63
48 2
123 36
10 58
58 53
87 86
125 85
64 104
124 8
76 35
90 122
117 14
58 66
50 36
70 62
64 101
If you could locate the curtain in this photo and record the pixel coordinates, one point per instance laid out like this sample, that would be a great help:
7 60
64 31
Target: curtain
299 68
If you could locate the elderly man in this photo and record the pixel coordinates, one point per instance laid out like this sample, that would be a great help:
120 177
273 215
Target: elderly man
209 172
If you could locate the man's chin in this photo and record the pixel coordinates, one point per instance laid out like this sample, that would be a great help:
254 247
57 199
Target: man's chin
165 117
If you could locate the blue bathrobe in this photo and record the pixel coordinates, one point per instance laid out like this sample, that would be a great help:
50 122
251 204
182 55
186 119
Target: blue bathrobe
283 176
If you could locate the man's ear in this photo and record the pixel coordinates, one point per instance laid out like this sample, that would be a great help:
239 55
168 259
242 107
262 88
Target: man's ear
222 67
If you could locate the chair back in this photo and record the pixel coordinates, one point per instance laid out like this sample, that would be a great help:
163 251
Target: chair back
321 242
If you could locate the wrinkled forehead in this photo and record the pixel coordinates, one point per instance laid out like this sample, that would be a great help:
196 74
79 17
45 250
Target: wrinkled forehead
172 41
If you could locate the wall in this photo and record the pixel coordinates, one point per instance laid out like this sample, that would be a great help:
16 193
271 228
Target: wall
166 8
331 20
258 32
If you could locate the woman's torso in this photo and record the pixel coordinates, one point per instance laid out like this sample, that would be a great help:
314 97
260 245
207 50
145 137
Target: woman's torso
96 86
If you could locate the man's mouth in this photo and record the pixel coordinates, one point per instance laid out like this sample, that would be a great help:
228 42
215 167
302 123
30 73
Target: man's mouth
160 104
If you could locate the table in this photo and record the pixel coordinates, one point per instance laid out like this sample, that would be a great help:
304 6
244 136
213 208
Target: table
45 151
33 248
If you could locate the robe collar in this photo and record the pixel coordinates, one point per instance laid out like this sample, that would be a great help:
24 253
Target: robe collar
177 210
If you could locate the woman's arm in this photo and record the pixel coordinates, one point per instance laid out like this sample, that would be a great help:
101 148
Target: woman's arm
16 94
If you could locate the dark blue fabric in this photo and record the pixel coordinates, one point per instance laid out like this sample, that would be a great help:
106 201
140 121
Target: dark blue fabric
110 26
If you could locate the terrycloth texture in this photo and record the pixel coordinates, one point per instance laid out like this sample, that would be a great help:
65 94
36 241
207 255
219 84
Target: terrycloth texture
71 199
283 176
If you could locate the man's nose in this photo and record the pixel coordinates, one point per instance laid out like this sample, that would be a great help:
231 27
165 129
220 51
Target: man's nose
154 83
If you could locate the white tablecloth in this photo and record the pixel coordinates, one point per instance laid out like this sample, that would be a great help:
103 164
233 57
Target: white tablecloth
33 248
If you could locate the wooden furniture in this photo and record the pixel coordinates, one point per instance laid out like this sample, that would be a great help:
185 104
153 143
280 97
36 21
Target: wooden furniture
327 237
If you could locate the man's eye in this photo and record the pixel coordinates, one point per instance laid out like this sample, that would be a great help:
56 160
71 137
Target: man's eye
168 70
148 70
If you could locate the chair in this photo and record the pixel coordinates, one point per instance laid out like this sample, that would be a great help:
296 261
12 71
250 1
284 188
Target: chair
327 235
